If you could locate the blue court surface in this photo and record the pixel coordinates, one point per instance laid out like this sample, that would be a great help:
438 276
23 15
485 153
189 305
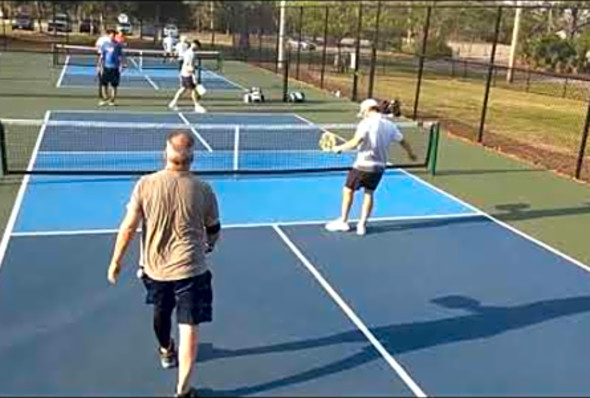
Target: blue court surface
437 299
77 76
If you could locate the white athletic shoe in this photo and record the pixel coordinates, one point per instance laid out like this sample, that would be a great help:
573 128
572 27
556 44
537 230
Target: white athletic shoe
103 103
338 226
200 109
361 229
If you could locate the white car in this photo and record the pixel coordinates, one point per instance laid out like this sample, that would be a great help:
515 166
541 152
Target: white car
305 45
125 28
171 30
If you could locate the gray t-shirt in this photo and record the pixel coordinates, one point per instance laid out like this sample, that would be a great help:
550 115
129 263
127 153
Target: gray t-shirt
377 133
176 207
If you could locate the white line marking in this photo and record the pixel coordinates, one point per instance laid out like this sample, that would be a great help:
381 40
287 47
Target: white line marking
195 132
270 114
63 72
260 225
501 223
146 77
214 76
21 193
410 383
150 81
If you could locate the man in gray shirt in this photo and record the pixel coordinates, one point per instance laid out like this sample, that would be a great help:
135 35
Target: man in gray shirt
180 224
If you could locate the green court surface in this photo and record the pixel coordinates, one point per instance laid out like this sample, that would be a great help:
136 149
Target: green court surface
549 207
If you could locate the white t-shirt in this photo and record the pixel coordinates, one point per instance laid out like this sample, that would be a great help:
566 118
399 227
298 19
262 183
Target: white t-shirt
180 48
100 41
188 63
169 43
377 133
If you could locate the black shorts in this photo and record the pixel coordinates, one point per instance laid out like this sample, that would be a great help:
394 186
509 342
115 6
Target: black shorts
192 297
110 76
368 180
188 82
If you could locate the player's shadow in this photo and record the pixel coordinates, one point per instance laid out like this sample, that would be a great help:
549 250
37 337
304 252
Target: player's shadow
390 226
481 322
523 211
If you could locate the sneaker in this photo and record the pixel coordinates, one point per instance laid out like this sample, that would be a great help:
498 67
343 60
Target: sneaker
112 103
338 226
102 103
190 393
361 229
200 109
168 358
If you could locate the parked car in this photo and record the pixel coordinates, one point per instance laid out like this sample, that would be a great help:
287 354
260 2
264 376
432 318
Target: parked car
24 22
125 27
61 23
170 30
89 26
304 44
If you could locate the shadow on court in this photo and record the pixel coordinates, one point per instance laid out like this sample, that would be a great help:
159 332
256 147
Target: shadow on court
485 321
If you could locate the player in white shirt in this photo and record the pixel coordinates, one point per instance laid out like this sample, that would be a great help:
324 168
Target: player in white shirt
179 50
372 138
188 79
98 45
168 43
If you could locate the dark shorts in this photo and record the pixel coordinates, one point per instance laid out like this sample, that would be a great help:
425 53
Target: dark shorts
368 180
110 76
188 82
192 297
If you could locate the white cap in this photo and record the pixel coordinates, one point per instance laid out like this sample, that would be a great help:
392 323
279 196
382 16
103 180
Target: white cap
366 105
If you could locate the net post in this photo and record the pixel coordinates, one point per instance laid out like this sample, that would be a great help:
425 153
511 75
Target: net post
435 134
236 162
4 164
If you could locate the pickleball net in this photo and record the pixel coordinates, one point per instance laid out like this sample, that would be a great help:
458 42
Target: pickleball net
31 146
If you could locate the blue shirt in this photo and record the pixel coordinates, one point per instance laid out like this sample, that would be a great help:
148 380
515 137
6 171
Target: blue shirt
111 54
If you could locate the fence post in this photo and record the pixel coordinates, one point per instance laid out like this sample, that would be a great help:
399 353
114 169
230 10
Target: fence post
212 23
355 78
277 45
490 76
323 70
528 79
374 51
286 65
583 143
421 61
4 19
299 35
564 92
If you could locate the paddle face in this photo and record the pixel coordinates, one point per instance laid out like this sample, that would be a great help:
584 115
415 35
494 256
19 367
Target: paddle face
327 141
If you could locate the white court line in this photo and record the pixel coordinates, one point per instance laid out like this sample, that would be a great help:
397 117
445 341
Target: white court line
270 114
220 77
195 132
401 372
150 81
260 225
63 72
501 223
21 192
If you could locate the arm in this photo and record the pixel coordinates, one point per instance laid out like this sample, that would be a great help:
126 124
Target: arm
124 237
408 148
212 224
350 144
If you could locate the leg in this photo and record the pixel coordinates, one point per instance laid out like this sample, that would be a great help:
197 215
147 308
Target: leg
367 206
163 325
187 354
176 97
347 199
194 298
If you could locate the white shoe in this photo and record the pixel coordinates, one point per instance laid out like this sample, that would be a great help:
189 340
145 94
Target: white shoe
200 109
103 103
338 226
112 103
361 229
173 106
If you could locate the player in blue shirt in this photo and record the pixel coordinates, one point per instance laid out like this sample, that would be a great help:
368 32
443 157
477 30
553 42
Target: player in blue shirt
110 64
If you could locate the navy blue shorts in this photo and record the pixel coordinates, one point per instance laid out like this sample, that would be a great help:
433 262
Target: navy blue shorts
192 297
188 82
110 76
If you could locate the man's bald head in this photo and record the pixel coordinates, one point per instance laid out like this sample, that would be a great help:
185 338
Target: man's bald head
179 148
